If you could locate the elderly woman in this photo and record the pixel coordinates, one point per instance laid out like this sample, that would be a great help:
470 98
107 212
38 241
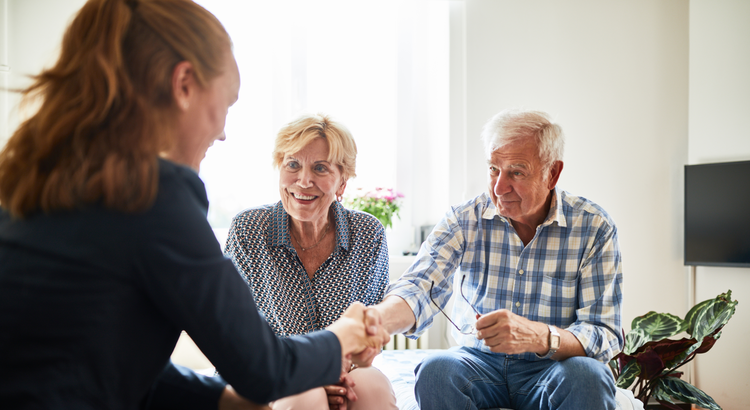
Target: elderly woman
105 250
307 258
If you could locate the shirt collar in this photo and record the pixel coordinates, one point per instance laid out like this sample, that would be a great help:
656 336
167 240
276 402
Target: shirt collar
555 210
556 213
279 226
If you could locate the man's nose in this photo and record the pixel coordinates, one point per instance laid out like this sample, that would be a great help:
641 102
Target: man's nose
502 184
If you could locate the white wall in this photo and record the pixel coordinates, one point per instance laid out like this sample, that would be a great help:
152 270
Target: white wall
718 132
4 71
614 74
34 29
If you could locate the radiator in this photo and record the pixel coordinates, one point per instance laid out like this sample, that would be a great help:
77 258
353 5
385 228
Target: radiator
400 342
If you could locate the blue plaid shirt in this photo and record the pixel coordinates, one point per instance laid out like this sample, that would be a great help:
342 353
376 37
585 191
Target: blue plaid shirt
569 275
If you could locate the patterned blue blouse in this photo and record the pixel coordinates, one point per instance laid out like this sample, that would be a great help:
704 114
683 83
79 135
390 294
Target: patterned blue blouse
356 270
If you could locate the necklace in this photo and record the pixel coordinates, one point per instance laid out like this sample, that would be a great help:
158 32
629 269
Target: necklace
316 243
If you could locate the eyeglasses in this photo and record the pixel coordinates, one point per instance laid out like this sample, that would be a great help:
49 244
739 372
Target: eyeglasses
466 329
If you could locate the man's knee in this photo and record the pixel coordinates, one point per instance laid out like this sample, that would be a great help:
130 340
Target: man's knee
588 367
438 372
587 373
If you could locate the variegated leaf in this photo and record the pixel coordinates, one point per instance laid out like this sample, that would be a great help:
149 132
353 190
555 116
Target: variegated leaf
635 339
681 390
628 374
713 315
614 366
659 325
690 317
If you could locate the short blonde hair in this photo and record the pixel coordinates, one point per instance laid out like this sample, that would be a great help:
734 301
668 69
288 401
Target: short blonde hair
342 150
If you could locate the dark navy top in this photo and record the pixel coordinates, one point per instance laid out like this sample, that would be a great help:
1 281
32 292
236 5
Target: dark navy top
356 271
92 303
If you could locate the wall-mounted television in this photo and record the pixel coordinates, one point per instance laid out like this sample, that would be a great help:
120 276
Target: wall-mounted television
717 214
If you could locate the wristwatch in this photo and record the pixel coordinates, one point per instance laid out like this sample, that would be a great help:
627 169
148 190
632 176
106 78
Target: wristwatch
554 343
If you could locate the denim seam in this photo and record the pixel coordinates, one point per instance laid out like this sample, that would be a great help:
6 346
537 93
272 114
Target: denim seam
470 382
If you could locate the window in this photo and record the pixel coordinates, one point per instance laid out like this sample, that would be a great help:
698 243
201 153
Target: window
378 67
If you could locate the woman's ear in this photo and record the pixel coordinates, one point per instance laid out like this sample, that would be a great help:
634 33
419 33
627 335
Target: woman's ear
183 84
342 188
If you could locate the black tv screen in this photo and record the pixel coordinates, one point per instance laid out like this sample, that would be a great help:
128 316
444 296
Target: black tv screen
717 214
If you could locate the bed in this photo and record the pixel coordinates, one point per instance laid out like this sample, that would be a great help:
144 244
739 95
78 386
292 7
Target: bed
398 366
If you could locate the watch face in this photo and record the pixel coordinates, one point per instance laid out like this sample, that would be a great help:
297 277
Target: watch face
554 342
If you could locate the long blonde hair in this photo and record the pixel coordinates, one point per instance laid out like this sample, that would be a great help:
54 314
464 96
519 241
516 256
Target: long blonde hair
106 107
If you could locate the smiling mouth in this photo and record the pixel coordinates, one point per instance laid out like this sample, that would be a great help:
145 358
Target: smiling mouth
303 197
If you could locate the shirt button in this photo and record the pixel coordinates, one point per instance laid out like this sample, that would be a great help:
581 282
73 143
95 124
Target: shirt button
520 271
518 304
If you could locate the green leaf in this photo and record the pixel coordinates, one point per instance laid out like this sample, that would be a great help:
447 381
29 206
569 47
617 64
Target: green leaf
659 325
381 208
713 315
631 370
614 366
690 317
634 340
650 327
669 388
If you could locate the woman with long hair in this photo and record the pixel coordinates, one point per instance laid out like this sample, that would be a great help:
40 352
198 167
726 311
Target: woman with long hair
105 250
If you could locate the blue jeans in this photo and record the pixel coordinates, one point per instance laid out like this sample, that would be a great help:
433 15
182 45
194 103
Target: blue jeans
467 378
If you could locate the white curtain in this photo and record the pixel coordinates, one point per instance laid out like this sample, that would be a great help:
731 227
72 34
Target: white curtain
378 67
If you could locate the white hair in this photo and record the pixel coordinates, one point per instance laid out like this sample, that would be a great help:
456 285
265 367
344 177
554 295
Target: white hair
513 125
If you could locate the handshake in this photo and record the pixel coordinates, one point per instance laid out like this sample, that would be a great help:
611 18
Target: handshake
361 334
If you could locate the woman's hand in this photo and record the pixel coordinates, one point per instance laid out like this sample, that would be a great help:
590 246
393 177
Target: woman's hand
340 394
357 331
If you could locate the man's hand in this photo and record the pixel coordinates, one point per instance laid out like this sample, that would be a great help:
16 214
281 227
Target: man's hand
352 330
506 332
374 326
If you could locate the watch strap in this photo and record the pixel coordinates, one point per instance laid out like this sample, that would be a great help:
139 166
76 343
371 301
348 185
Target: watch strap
554 343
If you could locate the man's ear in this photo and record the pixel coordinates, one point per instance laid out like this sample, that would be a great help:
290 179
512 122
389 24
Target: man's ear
554 174
183 84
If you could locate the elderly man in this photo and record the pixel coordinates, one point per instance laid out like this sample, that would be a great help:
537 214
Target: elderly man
539 278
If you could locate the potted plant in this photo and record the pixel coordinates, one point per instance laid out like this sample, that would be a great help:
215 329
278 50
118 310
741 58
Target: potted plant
650 360
382 203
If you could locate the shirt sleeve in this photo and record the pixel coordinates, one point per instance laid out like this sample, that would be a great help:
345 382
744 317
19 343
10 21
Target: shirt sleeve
179 388
437 261
599 324
377 273
199 290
